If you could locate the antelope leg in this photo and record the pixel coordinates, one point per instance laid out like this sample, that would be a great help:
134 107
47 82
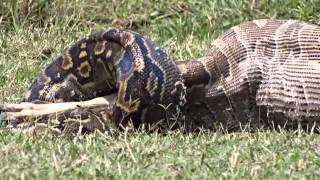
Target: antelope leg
13 111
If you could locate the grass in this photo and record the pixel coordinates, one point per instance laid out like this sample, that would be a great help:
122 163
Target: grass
172 155
33 32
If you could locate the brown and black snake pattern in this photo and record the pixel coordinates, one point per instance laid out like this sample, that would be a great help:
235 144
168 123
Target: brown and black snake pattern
262 71
112 61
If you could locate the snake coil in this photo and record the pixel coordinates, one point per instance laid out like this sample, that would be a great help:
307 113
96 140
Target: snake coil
112 61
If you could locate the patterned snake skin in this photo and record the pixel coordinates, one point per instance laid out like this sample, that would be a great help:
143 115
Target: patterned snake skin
111 61
262 71
267 71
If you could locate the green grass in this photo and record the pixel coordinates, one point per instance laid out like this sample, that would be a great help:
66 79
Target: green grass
173 155
185 30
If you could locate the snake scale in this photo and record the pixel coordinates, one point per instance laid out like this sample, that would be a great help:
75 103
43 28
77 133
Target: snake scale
262 70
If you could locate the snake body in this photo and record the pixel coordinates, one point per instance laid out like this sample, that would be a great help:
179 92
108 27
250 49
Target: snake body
106 62
262 71
266 70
